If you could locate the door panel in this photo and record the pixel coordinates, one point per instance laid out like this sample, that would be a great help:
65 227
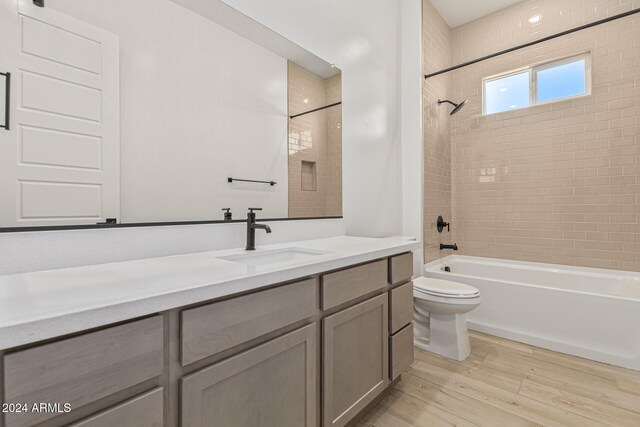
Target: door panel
59 164
355 358
59 148
61 45
59 199
56 96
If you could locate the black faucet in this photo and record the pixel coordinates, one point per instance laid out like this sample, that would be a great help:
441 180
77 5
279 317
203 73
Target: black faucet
251 229
441 224
454 246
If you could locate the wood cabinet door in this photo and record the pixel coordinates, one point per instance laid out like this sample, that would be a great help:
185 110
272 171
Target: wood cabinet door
355 359
272 385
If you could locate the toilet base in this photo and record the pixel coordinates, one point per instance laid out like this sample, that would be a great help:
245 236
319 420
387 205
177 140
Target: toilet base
443 334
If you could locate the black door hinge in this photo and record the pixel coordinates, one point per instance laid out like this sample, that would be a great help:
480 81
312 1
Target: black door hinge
109 221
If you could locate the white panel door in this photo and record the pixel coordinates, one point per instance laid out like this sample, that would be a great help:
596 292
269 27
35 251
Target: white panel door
59 163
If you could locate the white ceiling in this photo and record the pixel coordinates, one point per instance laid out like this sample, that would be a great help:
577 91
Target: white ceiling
230 18
458 12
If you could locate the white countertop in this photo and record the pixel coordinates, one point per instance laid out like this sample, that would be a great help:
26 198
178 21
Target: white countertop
47 304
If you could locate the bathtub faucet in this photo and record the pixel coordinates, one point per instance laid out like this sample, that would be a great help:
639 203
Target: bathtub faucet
454 246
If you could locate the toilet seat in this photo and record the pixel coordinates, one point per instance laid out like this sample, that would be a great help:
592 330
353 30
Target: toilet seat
444 288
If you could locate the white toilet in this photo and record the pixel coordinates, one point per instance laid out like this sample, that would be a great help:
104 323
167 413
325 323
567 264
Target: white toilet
440 324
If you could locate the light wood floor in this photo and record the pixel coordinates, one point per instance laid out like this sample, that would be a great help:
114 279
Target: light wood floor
505 383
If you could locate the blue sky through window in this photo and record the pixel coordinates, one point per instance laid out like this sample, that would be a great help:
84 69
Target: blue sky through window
561 81
507 93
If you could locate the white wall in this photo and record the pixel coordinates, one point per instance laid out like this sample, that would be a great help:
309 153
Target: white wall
198 103
411 78
361 38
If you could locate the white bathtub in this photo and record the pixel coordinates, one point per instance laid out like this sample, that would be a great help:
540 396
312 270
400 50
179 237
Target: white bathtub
587 312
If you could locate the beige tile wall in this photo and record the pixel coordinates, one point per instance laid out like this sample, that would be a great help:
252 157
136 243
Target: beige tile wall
510 26
436 43
315 137
555 183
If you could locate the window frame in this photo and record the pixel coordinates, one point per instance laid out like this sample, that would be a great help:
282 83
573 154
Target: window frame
499 77
533 81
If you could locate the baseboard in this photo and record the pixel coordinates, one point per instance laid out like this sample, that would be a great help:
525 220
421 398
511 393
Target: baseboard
585 353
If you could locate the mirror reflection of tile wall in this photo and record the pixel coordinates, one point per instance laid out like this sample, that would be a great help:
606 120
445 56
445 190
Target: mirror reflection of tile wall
315 145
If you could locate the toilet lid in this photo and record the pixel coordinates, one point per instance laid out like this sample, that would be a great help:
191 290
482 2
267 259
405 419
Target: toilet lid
444 288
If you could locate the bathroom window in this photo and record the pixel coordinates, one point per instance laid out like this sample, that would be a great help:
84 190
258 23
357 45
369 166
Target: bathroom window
508 92
561 79
548 82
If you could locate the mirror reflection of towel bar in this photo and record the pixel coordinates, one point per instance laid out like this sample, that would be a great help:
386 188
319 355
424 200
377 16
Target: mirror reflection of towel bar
271 183
7 101
316 109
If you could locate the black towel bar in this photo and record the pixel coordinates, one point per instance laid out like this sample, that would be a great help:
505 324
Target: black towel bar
271 183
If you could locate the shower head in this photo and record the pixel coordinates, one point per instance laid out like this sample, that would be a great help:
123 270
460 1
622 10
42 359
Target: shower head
457 107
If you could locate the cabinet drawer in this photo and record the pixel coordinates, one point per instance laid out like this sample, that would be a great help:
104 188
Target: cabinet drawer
400 268
401 350
142 411
272 385
400 307
216 327
345 285
83 369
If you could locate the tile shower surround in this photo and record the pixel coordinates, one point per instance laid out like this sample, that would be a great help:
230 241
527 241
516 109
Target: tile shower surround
317 138
558 182
436 42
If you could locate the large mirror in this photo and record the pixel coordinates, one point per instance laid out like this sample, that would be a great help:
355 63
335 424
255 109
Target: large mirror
162 111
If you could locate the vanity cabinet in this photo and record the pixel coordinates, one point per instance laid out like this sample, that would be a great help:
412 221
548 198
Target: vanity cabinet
400 314
142 411
83 369
272 385
355 359
311 352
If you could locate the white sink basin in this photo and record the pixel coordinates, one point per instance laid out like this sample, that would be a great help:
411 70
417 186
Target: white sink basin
274 256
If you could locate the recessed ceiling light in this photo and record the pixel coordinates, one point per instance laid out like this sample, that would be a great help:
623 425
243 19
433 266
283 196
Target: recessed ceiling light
535 19
306 100
503 89
513 106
